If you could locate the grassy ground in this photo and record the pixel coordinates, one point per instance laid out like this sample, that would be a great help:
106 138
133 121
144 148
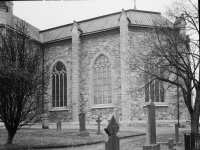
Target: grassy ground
39 138
133 143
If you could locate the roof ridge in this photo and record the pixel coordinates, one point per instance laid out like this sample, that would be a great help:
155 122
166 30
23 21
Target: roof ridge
98 18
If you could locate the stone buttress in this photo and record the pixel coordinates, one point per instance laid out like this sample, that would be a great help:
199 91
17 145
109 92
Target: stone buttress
76 31
125 72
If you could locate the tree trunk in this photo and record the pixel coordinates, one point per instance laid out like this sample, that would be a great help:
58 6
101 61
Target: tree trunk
195 114
11 134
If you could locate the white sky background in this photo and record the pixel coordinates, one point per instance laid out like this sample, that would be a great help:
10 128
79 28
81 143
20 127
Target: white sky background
49 14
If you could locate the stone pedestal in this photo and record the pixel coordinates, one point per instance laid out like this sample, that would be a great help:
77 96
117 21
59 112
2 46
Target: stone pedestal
151 147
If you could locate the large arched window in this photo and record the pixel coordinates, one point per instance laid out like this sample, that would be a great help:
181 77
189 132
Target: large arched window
59 85
154 89
102 80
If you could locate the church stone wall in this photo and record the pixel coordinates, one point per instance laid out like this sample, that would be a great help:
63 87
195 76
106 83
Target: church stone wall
107 43
164 111
91 47
60 51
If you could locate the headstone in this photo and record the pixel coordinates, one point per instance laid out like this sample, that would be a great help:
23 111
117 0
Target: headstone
151 123
59 126
176 134
151 128
116 115
113 140
171 144
82 130
98 124
45 122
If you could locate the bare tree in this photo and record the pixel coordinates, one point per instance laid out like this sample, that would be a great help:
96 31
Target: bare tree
21 79
172 55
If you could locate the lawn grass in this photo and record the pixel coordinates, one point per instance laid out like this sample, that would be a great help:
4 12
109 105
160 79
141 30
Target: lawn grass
50 138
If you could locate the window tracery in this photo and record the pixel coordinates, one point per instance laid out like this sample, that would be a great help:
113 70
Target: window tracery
102 80
59 85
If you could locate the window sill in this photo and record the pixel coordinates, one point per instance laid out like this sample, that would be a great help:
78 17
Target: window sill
59 109
159 104
102 106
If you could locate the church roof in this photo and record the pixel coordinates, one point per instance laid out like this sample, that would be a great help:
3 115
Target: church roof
106 22
33 31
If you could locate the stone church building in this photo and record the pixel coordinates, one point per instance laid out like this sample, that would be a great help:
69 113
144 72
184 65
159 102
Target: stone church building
88 70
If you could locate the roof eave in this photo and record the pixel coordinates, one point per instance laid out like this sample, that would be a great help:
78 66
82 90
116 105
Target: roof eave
84 34
89 33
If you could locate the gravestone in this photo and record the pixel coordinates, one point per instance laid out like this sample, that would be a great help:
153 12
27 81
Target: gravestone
176 134
151 127
45 122
98 124
116 115
82 130
59 126
113 140
171 144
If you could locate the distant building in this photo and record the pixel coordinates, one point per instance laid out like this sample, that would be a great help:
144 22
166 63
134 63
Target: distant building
87 67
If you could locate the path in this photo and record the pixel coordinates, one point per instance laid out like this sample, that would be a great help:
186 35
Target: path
132 142
101 146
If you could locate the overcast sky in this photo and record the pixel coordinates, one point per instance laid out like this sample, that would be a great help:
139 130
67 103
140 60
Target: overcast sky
49 14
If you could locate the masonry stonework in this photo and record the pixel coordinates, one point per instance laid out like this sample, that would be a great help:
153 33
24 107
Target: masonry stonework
92 47
118 36
58 52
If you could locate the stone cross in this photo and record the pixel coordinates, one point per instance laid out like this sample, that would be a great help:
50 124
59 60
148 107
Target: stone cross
82 129
151 127
59 126
113 140
98 122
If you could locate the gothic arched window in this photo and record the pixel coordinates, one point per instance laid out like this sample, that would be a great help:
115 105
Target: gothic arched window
59 85
102 80
154 89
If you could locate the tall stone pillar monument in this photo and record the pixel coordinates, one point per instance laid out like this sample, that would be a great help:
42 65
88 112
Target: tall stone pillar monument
76 31
151 128
123 22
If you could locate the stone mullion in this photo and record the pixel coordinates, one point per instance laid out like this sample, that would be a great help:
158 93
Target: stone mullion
102 85
59 90
63 89
146 88
97 85
107 83
152 88
55 91
161 87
